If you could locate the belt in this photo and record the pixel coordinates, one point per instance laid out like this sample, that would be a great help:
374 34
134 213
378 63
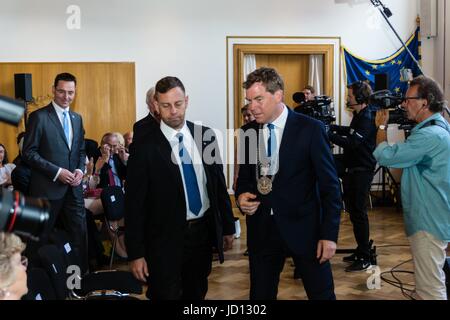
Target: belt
193 222
357 169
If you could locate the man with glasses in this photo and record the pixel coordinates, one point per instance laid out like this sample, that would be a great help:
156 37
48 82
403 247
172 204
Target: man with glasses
110 164
54 150
425 185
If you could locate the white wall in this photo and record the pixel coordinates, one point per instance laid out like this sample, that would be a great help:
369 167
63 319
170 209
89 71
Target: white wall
188 38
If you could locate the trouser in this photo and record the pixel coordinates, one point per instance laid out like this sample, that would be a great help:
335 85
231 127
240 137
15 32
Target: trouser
186 279
266 266
429 258
356 191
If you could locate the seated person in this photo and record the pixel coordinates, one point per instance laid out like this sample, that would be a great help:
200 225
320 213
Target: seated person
13 267
5 167
110 162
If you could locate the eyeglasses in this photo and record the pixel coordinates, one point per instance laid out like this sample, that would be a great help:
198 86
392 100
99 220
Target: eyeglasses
411 98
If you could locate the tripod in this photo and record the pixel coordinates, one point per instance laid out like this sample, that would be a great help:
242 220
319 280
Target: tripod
384 200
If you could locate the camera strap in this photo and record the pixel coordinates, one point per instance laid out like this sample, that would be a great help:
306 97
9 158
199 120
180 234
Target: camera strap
435 123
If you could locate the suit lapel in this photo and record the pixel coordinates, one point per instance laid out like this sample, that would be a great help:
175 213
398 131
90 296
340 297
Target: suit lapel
75 121
286 141
54 118
165 150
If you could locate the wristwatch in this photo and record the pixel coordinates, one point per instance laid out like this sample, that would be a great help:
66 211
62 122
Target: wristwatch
382 127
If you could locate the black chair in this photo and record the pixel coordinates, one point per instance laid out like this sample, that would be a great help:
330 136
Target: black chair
113 201
39 285
105 285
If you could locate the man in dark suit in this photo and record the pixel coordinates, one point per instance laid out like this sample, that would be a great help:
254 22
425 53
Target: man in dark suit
292 197
54 149
143 127
177 204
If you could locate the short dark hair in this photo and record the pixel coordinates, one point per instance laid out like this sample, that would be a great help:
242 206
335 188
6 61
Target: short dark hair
428 88
65 77
269 77
167 83
5 158
310 88
361 90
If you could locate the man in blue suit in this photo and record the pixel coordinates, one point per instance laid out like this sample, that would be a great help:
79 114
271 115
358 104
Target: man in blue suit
289 190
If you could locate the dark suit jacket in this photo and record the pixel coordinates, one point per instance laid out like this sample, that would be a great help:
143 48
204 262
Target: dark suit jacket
155 215
144 127
45 150
306 196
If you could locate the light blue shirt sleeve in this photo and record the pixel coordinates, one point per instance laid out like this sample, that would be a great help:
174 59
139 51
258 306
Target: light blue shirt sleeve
404 154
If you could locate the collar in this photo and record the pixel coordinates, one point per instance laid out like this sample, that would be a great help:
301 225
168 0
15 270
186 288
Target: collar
170 133
280 122
436 116
59 110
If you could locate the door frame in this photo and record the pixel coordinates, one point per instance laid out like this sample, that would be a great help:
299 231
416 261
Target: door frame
238 46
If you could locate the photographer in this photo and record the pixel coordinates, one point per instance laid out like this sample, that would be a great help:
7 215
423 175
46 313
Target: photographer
358 164
425 185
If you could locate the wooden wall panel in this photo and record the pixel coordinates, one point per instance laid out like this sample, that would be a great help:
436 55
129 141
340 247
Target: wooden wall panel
294 68
105 97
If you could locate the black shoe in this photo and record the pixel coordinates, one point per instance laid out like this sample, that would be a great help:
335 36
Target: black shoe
297 275
246 253
359 265
351 258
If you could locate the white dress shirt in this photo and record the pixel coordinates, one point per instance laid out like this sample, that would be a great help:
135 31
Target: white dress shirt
197 162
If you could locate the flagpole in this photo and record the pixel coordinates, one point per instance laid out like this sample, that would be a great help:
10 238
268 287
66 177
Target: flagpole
386 13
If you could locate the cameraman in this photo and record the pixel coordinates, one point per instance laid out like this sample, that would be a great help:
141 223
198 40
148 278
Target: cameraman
424 158
357 166
309 93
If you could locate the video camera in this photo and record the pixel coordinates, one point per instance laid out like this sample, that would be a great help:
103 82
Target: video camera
321 108
385 99
19 214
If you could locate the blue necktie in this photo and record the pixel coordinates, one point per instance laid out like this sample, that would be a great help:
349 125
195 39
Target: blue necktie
272 141
66 126
190 178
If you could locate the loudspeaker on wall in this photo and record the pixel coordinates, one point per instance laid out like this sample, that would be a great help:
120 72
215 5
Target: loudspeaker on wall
23 86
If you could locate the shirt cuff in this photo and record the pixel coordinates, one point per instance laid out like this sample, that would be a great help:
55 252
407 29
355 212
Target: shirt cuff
57 174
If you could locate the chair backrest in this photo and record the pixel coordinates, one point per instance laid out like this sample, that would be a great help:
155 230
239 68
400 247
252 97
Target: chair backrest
60 239
113 201
118 283
40 286
53 262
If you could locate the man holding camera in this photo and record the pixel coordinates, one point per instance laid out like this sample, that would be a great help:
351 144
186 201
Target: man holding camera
357 166
424 158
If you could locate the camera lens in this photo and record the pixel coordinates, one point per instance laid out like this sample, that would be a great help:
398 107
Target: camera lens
24 216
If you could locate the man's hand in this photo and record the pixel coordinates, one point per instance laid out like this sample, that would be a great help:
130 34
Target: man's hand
66 177
382 117
325 250
246 204
78 176
139 269
123 155
228 242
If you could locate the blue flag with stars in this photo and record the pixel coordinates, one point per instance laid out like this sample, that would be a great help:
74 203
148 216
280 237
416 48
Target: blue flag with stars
358 68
